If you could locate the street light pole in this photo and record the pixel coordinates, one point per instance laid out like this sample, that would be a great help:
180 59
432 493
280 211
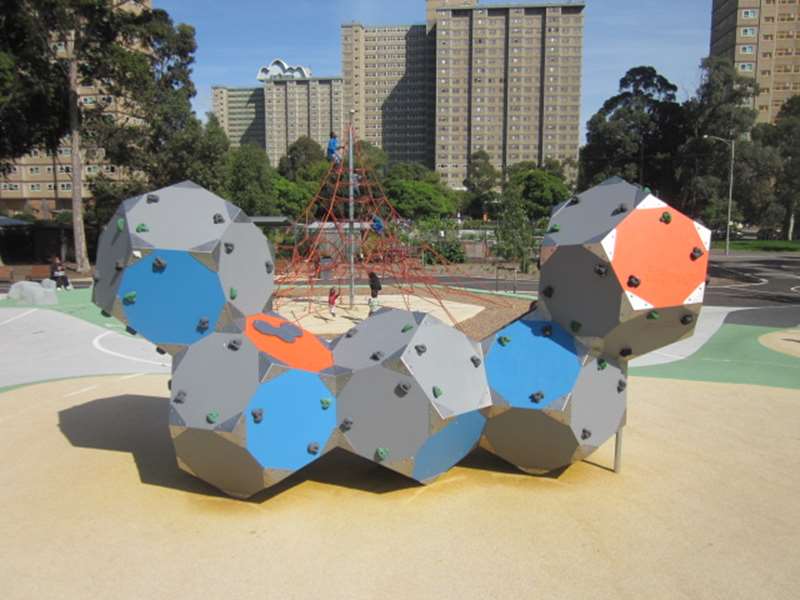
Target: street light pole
732 144
351 215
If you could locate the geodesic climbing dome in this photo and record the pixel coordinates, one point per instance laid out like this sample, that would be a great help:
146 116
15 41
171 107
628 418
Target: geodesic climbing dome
254 397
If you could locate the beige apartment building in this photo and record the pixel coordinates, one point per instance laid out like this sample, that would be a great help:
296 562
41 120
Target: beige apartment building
240 112
762 38
290 104
389 81
504 78
508 82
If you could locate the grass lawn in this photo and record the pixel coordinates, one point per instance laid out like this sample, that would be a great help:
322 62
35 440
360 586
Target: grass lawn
759 245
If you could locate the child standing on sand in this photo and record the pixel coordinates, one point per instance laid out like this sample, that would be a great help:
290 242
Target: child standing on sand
333 296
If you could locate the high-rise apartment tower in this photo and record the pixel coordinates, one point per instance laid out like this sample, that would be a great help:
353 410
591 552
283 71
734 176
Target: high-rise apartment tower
762 38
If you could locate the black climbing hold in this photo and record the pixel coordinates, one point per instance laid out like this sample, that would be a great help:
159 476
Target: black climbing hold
622 385
574 201
533 306
402 389
586 434
258 415
270 267
234 345
601 270
421 349
159 264
687 319
160 350
202 324
119 265
625 352
96 276
180 397
313 448
537 397
346 424
152 198
228 247
696 253
504 340
130 330
547 330
548 291
378 355
476 361
554 228
666 218
169 384
105 314
575 326
218 218
634 281
351 333
621 209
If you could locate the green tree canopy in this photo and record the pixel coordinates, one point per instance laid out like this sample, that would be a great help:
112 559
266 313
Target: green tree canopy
248 180
420 199
537 190
300 157
481 181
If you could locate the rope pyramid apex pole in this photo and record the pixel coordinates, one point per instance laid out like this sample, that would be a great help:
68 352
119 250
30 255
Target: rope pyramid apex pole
351 213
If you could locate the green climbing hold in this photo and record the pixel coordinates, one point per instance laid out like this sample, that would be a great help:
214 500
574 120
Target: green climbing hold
142 228
234 293
437 391
666 218
325 403
602 363
381 454
406 328
121 224
212 417
129 298
647 190
554 229
575 326
504 341
654 315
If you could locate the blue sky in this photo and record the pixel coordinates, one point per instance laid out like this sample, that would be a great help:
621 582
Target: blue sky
236 37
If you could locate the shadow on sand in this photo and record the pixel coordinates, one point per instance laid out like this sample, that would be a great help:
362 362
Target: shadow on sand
138 424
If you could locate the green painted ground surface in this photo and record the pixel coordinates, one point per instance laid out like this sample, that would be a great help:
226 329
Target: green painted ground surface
77 303
733 355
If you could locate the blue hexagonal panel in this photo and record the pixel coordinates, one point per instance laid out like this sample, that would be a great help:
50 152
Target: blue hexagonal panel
167 293
289 420
448 446
532 357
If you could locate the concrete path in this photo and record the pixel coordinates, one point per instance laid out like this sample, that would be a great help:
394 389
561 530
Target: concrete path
38 344
705 508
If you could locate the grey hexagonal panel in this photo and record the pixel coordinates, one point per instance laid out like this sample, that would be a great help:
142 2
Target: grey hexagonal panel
246 264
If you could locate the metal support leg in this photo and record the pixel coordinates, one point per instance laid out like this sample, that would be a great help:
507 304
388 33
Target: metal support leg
618 451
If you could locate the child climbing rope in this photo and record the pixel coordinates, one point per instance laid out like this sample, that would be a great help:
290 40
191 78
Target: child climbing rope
333 149
333 296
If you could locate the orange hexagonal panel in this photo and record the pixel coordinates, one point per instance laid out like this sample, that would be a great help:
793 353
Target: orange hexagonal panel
288 343
659 256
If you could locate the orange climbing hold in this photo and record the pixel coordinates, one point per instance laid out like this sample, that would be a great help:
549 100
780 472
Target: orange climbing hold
296 348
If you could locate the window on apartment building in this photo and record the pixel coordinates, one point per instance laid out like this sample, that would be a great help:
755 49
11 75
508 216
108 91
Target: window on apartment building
748 32
746 67
109 169
749 13
64 169
36 187
65 187
65 151
746 49
34 170
10 187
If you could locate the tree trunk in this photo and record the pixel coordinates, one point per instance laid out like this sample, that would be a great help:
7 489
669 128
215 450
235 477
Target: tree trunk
790 210
79 234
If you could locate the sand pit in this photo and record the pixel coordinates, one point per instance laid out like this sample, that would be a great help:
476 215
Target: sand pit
706 507
786 341
313 313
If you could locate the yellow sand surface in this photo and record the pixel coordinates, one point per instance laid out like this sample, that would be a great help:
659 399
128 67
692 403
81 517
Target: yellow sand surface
313 313
786 341
707 506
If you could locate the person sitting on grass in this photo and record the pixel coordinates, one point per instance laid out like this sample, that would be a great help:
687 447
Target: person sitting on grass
59 274
333 296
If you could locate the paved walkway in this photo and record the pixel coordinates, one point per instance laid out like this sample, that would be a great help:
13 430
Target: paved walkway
705 508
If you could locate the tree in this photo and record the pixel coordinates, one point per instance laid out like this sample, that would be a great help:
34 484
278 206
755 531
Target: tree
420 199
536 189
373 157
249 180
481 181
784 137
299 157
515 233
635 134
